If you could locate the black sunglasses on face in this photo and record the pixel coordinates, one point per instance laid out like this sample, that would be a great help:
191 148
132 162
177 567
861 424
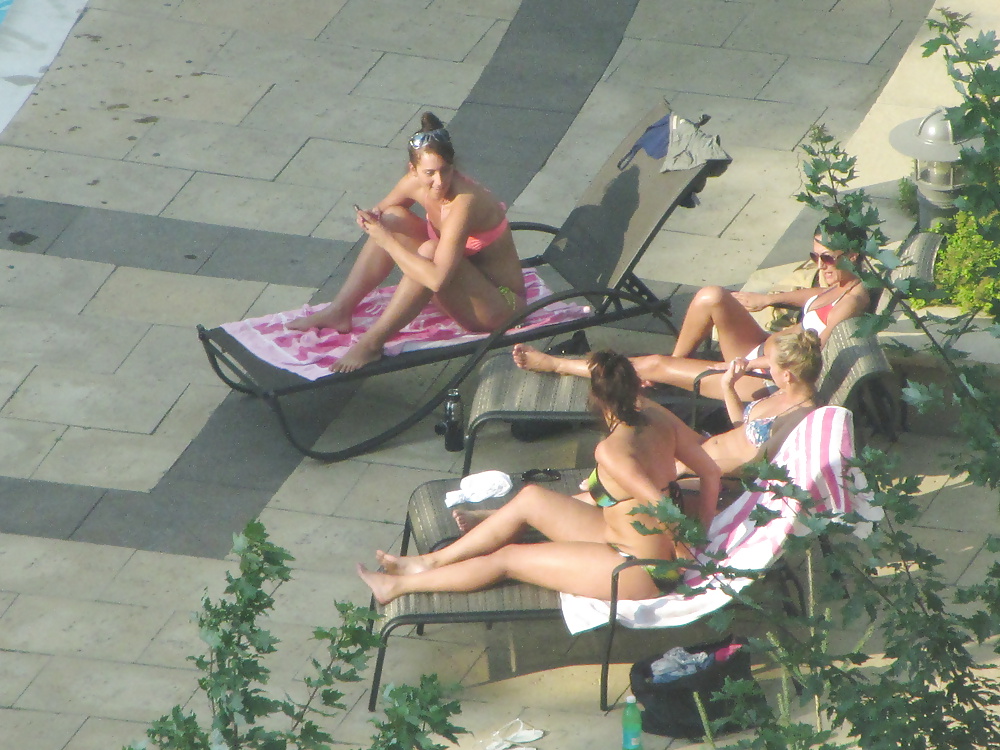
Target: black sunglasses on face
823 259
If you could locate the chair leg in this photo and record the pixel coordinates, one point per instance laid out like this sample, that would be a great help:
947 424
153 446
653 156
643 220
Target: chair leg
826 549
788 580
606 664
380 662
377 676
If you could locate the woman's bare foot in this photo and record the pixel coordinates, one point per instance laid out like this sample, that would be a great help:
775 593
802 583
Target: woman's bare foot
396 565
328 317
359 355
529 358
381 584
469 519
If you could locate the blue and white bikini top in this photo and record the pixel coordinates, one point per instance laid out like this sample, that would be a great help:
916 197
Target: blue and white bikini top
758 431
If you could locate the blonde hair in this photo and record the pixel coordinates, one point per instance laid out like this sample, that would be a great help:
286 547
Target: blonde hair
799 353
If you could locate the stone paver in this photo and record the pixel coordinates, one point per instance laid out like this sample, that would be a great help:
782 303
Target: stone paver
195 162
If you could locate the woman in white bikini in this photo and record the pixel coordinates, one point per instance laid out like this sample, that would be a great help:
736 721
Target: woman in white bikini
740 336
461 255
591 533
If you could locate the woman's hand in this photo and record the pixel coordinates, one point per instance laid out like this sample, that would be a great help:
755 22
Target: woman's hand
736 370
753 301
371 216
371 224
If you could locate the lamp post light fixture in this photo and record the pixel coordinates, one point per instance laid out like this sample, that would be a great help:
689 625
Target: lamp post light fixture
939 176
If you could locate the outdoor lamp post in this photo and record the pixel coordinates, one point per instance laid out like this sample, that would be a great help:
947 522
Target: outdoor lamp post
931 142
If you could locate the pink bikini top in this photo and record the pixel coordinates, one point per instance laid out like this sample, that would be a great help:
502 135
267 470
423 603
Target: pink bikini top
815 319
476 242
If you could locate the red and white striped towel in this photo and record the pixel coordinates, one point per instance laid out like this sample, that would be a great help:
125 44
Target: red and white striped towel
815 455
309 354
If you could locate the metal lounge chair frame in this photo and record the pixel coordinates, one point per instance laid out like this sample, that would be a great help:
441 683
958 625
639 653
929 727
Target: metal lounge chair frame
594 252
428 522
507 393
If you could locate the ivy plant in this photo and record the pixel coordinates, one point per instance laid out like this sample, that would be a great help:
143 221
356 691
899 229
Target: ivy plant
234 674
933 685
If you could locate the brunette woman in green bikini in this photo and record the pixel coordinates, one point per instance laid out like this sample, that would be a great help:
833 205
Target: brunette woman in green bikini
635 466
637 463
461 254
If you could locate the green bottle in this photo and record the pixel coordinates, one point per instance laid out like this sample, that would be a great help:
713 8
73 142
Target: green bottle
631 725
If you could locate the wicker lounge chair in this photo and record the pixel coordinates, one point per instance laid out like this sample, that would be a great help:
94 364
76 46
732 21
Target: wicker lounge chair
507 393
591 256
814 455
916 257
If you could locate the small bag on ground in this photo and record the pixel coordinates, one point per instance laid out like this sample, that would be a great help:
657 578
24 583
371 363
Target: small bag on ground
669 708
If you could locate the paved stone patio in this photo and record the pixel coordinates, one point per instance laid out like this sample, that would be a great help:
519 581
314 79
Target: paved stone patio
194 161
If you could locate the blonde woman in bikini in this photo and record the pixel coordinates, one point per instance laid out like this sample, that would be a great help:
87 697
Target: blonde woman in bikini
740 336
461 255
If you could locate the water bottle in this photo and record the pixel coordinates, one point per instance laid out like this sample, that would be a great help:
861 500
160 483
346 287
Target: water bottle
453 424
631 725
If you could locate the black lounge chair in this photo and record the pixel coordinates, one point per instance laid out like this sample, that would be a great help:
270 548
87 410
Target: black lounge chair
594 253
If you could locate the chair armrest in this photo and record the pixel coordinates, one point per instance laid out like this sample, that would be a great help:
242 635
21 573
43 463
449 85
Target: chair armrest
625 565
533 226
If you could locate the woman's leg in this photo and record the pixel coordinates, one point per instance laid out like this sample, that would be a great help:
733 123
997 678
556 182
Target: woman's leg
370 269
582 568
405 304
711 306
469 298
714 306
682 372
528 357
467 519
475 302
559 517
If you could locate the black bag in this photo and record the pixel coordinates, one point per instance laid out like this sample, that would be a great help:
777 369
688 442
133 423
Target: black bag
669 708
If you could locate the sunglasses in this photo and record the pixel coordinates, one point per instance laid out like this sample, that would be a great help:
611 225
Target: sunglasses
422 137
823 259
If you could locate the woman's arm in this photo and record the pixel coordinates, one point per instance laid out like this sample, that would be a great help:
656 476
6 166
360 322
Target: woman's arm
734 404
694 456
432 273
757 301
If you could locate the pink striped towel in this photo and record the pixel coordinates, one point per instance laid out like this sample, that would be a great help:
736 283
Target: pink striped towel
815 455
309 354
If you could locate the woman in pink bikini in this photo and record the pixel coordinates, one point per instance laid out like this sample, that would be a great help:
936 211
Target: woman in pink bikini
740 337
461 255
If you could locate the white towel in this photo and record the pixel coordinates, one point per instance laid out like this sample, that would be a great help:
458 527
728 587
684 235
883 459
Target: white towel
478 487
